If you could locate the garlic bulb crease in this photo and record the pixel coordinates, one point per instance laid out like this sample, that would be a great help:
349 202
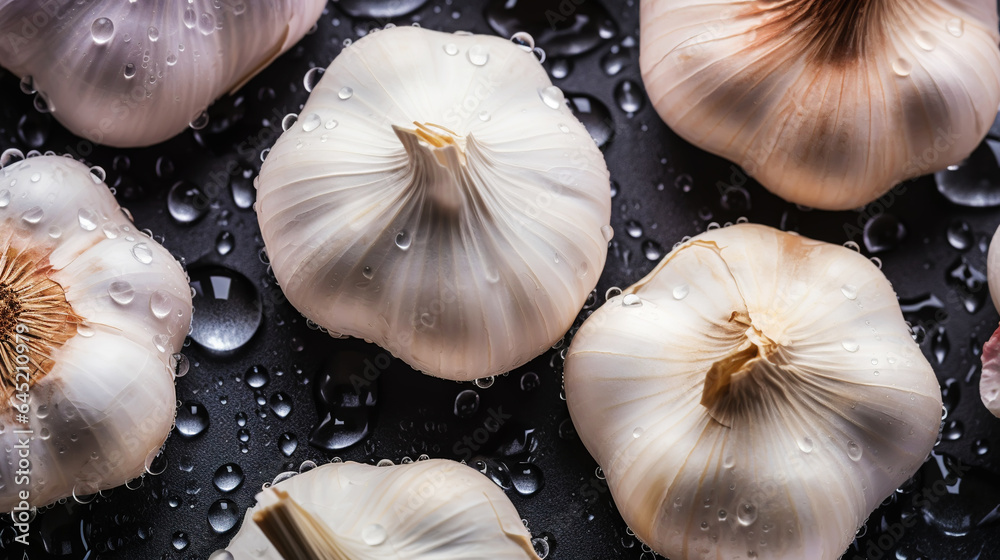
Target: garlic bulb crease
437 196
131 74
434 509
828 103
92 312
757 395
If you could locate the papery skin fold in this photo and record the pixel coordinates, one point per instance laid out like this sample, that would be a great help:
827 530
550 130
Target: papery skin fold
430 510
107 405
505 221
85 81
808 439
827 103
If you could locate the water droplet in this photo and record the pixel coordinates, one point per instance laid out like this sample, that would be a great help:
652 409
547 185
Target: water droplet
562 29
629 96
223 516
403 240
852 246
142 253
959 235
652 250
345 93
160 304
541 546
311 122
88 219
850 345
973 181
631 300
312 77
4 198
956 27
221 555
806 444
552 96
850 291
287 443
288 121
926 40
153 33
883 233
526 478
607 232
102 30
281 405
199 121
530 381
180 541
484 116
228 477
330 124
229 308
746 514
637 433
902 67
225 243
615 60
379 10
681 292
953 430
121 292
594 115
192 419
374 534
633 229
478 55
466 403
33 215
854 451
451 49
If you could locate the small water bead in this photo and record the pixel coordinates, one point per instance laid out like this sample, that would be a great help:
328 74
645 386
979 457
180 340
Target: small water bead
746 514
345 93
523 40
850 291
311 122
280 404
854 451
142 253
631 300
450 49
257 377
633 229
121 292
530 381
485 382
374 534
652 250
484 116
926 40
181 364
403 240
552 96
541 546
221 555
312 77
637 433
330 124
180 541
806 444
902 67
102 30
225 243
681 292
466 403
4 198
287 443
191 420
160 304
171 59
478 55
629 96
288 121
153 33
959 235
228 477
852 246
88 219
956 27
850 345
612 293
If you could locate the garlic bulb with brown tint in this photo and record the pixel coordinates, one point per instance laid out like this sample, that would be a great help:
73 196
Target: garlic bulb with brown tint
989 379
92 312
757 395
828 103
137 73
434 509
436 196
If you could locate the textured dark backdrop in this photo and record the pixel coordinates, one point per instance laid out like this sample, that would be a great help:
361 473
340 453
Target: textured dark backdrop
933 251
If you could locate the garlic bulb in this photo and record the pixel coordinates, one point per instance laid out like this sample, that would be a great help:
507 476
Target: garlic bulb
136 73
437 197
347 511
989 379
826 103
92 312
757 395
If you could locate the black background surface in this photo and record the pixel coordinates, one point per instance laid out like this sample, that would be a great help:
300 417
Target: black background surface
651 168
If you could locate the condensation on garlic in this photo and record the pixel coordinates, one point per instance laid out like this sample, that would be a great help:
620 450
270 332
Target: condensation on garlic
828 103
757 395
136 73
92 314
438 197
428 509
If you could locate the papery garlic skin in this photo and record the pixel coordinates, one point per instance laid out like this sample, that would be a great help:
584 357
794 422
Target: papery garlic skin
989 379
434 509
437 196
830 405
106 404
131 74
824 106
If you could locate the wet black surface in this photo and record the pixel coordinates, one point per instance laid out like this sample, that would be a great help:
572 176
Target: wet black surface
265 406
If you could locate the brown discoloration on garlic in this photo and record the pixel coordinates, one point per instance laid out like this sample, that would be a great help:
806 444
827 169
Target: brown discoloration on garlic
832 31
35 317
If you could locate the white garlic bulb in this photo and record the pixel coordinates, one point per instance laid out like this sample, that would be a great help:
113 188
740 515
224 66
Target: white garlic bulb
989 379
137 73
434 509
826 103
92 312
758 393
436 196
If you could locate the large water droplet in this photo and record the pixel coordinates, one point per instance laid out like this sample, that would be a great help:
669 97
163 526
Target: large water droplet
88 219
288 443
228 477
280 404
883 232
976 181
346 398
229 308
552 97
186 202
526 478
403 240
374 534
121 292
223 516
746 514
102 30
594 115
142 253
466 403
680 292
161 304
561 27
311 122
